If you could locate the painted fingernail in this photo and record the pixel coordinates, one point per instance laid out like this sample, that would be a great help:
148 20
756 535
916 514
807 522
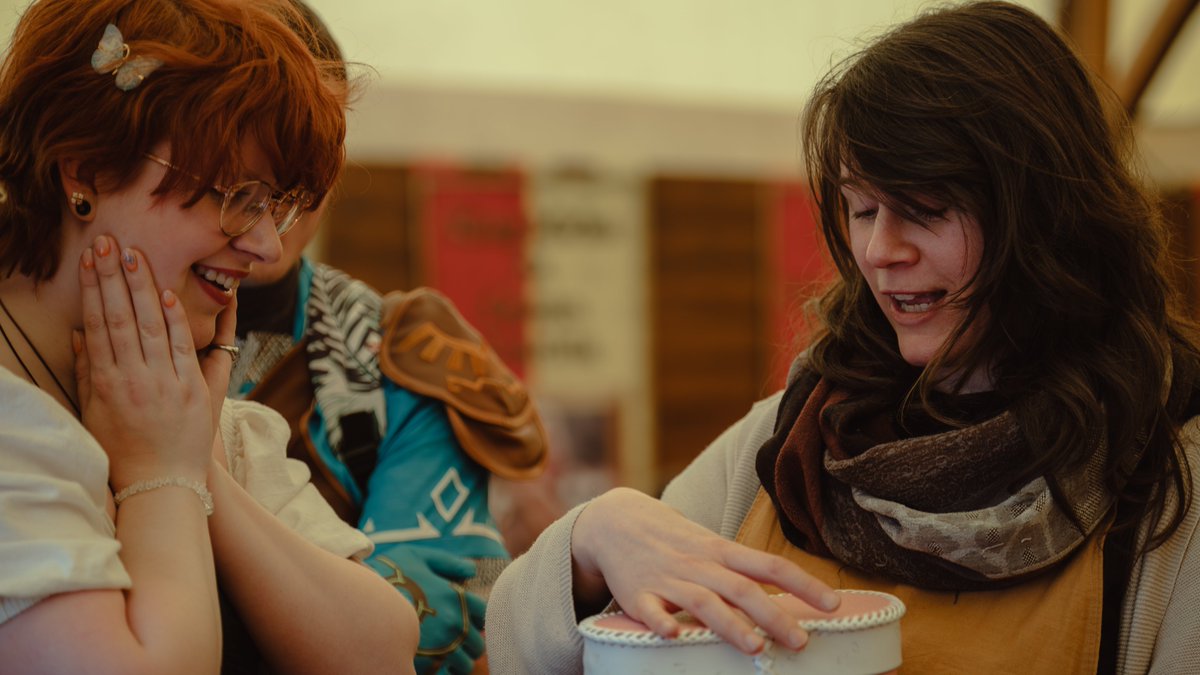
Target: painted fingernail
86 261
168 298
129 259
753 642
102 247
76 341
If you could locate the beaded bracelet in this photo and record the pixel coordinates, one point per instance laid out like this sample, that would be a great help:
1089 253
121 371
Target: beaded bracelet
141 486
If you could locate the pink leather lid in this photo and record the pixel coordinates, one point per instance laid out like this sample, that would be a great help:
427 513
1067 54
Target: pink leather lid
853 605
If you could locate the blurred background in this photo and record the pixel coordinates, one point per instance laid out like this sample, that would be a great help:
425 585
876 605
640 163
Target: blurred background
611 192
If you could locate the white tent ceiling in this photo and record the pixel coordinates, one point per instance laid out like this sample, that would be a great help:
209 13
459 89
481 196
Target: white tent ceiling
747 54
754 52
742 52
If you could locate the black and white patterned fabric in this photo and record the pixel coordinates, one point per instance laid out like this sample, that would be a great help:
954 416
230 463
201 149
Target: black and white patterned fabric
343 338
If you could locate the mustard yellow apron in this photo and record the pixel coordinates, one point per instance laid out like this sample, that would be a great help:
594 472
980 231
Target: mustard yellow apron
1049 624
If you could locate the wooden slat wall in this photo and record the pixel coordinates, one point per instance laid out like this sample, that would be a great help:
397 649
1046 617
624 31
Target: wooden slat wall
720 296
369 233
707 311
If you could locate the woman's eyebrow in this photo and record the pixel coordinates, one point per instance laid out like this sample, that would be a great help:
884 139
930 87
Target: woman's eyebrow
856 187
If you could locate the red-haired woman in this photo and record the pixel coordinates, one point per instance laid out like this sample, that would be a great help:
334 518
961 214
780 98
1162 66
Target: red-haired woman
152 152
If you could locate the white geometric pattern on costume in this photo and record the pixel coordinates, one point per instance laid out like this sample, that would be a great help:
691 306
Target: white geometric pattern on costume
469 528
425 530
450 479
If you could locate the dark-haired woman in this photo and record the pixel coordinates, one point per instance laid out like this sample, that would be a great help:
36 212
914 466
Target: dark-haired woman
995 422
151 153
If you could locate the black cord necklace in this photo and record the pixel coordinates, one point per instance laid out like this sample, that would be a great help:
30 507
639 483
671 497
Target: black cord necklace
36 353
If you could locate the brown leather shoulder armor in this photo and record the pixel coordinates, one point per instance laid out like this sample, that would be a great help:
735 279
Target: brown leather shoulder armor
430 349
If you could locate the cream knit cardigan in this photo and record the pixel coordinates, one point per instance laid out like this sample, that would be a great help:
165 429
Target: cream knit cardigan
531 617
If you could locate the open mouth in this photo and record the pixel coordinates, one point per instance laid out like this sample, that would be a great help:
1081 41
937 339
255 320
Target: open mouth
224 283
912 303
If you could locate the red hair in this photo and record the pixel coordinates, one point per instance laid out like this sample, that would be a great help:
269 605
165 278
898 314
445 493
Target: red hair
233 71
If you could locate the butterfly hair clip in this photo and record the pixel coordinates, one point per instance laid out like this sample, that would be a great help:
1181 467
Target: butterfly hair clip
112 57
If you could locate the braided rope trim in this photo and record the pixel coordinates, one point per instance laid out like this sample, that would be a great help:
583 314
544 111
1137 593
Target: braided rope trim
892 612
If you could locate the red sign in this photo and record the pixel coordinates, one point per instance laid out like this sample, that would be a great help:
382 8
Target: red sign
473 229
798 271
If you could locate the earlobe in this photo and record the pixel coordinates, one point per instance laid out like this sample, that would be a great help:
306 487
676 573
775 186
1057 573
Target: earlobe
80 194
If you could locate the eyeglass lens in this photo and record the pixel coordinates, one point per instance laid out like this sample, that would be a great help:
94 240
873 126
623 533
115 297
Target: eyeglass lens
246 202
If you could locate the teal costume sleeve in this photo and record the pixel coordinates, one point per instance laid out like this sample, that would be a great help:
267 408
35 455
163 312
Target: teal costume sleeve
424 412
426 510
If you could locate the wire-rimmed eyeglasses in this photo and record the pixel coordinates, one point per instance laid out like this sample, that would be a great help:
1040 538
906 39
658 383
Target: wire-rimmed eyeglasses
244 203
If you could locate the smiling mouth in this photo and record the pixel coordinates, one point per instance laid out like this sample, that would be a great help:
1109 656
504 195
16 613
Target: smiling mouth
223 282
914 303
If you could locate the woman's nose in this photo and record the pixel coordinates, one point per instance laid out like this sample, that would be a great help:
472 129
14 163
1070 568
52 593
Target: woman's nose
262 241
890 244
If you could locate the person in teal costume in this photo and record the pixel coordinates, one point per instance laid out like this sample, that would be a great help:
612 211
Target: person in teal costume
387 457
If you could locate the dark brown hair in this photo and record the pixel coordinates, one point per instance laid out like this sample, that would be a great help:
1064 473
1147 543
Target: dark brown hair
233 71
987 108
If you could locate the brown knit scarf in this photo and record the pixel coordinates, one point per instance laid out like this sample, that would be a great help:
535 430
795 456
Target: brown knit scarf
933 511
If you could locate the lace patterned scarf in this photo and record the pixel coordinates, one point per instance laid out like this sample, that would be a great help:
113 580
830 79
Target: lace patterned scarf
936 511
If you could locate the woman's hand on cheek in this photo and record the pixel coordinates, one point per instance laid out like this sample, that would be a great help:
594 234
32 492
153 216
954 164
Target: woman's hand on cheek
141 390
655 561
216 364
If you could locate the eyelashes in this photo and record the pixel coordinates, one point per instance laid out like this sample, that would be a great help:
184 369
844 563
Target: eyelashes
930 214
925 215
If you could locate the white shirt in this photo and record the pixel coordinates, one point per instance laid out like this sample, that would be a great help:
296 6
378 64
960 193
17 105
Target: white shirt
56 534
